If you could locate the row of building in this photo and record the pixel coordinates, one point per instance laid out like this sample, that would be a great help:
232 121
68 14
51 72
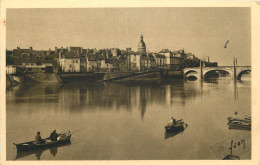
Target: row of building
78 59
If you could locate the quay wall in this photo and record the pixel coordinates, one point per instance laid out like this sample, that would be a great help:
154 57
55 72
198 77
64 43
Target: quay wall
80 76
172 74
41 77
91 77
145 76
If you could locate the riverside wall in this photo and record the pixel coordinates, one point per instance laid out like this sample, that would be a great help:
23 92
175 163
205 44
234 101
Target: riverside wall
12 80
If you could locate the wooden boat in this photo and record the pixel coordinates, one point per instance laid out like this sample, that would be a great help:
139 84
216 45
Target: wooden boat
38 152
178 126
170 134
242 124
31 145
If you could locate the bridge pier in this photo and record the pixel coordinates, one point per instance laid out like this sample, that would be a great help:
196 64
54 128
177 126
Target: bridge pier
201 72
234 70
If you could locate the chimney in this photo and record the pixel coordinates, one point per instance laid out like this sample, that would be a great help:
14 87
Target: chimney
31 48
61 49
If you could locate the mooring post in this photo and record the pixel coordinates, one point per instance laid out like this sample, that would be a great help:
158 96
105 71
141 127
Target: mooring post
231 147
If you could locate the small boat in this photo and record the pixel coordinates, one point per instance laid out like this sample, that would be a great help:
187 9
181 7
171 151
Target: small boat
38 152
231 157
62 139
179 125
170 134
242 124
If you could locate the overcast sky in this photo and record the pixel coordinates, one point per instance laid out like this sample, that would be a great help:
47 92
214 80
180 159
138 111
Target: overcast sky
202 31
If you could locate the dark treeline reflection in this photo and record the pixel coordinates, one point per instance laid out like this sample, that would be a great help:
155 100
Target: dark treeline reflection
106 96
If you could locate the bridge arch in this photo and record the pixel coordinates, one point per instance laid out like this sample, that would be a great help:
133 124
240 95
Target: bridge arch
240 74
190 71
206 74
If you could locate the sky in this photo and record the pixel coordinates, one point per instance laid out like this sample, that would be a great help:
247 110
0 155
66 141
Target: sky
201 31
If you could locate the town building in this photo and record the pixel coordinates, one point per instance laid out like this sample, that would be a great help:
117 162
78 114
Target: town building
91 62
70 62
160 60
168 58
135 61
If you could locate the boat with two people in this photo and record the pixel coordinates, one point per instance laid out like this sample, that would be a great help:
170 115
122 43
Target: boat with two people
62 138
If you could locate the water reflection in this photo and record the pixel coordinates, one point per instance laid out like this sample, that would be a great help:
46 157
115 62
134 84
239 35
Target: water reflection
116 96
38 152
54 151
106 96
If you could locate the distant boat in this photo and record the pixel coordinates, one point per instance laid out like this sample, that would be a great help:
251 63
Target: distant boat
178 126
242 124
31 145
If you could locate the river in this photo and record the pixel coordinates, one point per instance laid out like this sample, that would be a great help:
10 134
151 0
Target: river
119 121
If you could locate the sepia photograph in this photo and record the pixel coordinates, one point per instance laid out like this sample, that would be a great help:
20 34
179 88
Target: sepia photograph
128 83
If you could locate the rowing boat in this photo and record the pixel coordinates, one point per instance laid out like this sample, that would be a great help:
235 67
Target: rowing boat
31 145
242 124
178 126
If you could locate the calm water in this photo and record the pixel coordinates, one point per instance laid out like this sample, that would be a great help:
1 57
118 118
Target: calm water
112 121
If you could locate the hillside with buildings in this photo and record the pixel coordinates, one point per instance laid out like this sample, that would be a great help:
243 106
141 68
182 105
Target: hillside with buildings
79 59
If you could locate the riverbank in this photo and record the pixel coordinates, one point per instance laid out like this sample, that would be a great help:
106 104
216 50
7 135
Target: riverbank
69 77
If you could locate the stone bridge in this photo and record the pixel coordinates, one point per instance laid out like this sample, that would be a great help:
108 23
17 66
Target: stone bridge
204 72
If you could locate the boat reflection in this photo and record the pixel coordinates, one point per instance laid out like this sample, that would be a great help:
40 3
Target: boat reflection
38 152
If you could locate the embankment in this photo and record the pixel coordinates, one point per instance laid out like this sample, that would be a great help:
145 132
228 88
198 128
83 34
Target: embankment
80 77
41 77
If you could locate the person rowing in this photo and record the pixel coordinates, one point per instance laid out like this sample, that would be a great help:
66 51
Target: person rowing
53 135
38 139
173 120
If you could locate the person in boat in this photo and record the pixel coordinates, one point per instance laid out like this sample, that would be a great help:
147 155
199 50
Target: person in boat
53 135
38 139
173 120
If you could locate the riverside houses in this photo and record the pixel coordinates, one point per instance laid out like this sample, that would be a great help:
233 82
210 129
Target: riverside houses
173 60
145 62
152 63
177 59
160 60
91 62
70 62
168 55
135 61
101 63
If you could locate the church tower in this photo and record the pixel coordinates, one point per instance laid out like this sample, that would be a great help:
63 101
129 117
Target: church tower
141 45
